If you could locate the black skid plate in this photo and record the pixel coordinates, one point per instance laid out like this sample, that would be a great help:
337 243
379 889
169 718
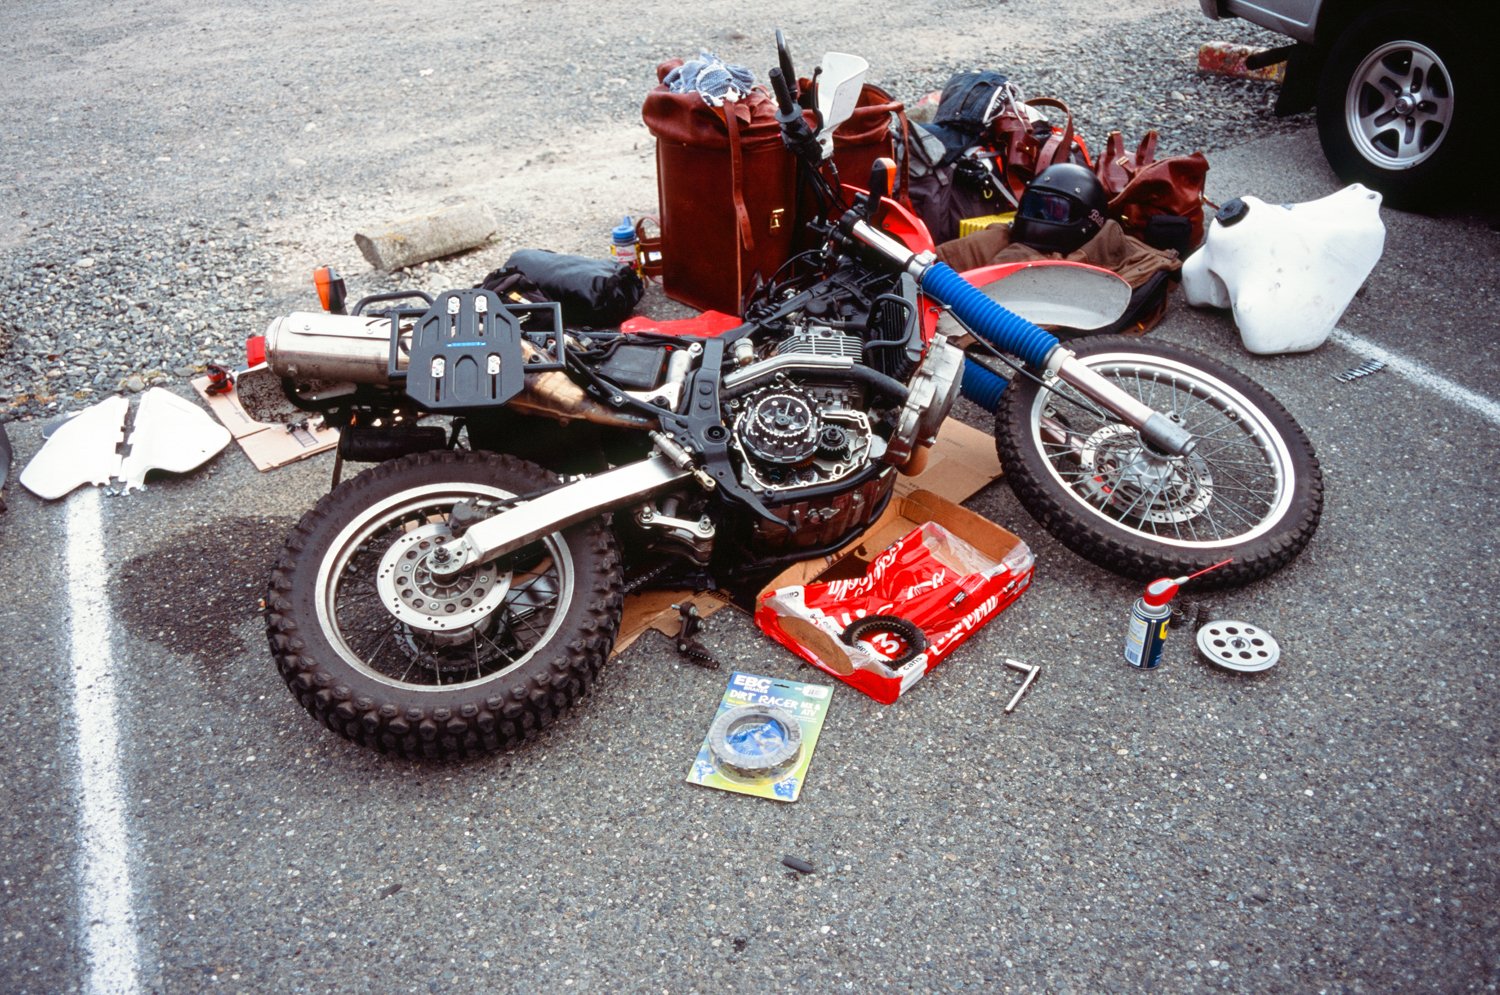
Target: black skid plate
465 353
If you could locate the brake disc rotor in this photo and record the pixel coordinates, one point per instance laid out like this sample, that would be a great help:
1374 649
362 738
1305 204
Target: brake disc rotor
448 607
1156 489
1238 646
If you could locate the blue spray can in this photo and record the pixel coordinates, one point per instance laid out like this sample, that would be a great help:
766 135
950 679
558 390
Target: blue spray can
1148 623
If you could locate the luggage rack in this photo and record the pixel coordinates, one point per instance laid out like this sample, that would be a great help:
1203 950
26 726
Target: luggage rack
463 349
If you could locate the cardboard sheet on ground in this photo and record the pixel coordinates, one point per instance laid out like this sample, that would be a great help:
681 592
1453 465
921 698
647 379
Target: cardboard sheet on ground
962 462
268 444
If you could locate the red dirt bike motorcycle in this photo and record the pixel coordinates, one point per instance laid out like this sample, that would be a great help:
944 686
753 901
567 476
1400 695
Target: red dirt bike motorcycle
452 601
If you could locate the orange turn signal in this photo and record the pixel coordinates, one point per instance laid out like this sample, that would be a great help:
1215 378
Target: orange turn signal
331 291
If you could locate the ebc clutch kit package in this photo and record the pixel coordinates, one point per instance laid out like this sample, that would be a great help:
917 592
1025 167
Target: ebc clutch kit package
762 737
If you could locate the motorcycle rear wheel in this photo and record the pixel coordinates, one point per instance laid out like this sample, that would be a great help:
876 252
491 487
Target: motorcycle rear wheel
1252 489
384 653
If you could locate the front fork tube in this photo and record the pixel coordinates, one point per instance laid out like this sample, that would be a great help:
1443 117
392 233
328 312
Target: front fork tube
1159 432
1012 333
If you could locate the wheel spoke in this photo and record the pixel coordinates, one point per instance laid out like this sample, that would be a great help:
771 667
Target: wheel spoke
1232 486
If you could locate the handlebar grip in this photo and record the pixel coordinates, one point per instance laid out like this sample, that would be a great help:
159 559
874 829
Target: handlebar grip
784 101
999 326
784 61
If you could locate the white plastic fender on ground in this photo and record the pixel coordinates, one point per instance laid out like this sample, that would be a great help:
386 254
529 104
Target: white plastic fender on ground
1287 270
169 433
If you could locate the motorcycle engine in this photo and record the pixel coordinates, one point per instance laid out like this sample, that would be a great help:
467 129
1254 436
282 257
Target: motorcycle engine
793 436
809 438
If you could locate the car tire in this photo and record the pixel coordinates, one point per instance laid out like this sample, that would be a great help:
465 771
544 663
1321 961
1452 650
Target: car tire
1397 103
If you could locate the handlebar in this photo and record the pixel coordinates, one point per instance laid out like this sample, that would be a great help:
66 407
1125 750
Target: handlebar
784 60
786 104
800 139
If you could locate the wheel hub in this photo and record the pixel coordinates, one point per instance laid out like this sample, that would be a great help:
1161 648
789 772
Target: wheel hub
446 609
1124 474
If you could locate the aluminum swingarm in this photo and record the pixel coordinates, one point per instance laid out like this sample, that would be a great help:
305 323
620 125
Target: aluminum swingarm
559 508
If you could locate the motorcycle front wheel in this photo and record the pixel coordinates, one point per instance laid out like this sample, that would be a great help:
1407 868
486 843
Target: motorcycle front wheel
386 653
1251 489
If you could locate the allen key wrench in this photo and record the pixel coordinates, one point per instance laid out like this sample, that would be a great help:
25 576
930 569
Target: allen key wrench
1030 670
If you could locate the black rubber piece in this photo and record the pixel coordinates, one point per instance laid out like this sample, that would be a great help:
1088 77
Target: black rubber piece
465 720
905 630
1133 553
797 864
1232 213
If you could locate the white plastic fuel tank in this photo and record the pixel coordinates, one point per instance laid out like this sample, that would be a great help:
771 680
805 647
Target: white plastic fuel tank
1287 270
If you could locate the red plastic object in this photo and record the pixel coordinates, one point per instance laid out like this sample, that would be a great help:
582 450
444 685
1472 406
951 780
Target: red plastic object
1159 592
1228 59
907 580
255 350
706 325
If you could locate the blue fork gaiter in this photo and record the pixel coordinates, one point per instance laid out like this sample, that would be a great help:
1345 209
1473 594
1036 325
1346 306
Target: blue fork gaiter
1001 328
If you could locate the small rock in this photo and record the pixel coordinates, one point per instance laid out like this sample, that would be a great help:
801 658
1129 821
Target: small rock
87 262
134 383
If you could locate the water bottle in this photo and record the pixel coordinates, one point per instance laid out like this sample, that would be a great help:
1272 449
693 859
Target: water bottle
622 243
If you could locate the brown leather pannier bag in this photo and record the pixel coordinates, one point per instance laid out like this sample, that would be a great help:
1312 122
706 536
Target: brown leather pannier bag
727 194
867 136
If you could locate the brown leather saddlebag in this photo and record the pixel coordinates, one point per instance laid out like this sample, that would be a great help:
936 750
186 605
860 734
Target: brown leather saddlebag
868 136
727 193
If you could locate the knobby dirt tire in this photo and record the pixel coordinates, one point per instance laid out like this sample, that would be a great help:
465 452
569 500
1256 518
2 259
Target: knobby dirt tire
1205 390
511 695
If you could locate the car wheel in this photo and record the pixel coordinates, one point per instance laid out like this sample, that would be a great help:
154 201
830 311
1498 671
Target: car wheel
1397 104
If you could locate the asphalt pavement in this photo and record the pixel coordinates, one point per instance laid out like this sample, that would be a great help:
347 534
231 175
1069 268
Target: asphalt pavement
173 821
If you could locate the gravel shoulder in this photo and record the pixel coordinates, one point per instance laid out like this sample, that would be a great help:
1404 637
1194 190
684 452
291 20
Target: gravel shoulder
170 173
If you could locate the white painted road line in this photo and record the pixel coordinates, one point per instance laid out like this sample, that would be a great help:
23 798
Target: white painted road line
1422 374
108 914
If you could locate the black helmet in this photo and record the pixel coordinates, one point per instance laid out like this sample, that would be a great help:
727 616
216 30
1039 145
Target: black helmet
1062 208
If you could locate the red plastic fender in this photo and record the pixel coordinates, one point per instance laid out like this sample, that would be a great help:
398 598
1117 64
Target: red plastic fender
1055 292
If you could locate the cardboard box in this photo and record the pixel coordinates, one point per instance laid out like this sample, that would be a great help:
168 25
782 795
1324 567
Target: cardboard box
961 463
785 615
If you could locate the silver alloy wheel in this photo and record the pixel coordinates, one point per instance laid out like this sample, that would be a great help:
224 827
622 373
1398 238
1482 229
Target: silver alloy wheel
1398 107
1233 488
390 641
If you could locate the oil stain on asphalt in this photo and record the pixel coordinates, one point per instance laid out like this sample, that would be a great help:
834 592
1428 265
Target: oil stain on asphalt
201 592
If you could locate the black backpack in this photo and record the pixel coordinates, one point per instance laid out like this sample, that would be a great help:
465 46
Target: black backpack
953 172
948 185
595 292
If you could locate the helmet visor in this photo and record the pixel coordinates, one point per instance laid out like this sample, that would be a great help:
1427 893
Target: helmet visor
1041 205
